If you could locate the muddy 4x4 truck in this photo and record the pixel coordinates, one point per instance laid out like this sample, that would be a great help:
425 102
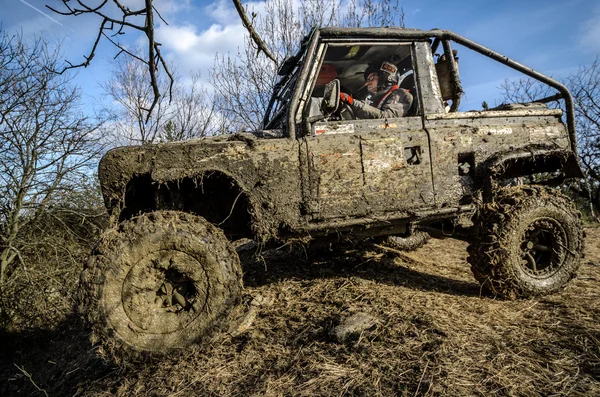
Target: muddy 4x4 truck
167 273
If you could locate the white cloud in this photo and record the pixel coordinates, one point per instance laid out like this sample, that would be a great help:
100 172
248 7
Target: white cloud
222 11
178 38
193 50
217 38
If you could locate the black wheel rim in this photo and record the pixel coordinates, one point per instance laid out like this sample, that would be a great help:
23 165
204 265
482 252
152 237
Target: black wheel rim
543 248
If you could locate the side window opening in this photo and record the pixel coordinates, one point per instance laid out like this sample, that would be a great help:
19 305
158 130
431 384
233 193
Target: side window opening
353 65
448 76
443 68
485 84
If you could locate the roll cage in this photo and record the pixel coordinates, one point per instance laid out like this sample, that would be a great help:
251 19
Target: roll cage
295 71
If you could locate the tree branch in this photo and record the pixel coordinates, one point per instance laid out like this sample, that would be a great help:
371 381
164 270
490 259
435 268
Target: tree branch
255 37
155 57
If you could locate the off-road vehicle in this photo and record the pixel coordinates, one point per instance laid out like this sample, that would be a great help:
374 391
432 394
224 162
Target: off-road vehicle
167 272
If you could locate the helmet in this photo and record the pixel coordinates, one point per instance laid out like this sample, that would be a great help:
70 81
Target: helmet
387 72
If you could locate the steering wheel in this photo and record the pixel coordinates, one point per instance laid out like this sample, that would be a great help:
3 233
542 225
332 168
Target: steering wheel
345 112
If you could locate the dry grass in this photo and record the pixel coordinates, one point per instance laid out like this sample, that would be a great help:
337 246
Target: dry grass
437 336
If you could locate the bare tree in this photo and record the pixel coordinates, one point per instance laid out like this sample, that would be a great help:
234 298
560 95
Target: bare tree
130 94
46 143
195 112
246 80
260 44
191 112
585 88
525 90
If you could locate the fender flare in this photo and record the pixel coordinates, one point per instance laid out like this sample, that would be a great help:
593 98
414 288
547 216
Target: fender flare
527 161
539 159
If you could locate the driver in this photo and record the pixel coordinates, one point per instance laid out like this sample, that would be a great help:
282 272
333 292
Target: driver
385 99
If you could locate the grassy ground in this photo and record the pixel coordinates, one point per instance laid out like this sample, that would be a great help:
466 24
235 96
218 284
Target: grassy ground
436 335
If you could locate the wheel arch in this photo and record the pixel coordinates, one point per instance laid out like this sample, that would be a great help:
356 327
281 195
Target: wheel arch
550 165
214 194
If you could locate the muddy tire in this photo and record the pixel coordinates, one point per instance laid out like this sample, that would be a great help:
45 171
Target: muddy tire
158 282
409 243
528 242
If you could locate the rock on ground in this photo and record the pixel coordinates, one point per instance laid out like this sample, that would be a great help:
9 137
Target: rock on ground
353 325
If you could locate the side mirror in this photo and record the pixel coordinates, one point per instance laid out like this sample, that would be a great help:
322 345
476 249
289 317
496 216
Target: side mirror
331 97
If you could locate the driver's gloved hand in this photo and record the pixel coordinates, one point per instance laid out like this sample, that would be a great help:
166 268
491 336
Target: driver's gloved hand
346 98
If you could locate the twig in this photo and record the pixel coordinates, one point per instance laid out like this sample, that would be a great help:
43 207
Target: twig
422 376
28 375
160 16
232 207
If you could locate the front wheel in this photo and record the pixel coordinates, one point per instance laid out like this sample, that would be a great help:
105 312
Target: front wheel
159 281
528 242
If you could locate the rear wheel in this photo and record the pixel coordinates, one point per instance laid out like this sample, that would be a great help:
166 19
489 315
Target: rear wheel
528 242
160 281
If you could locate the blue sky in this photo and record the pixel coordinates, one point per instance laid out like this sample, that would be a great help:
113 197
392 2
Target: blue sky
552 36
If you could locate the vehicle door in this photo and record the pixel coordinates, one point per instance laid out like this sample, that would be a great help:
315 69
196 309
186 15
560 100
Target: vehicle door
360 167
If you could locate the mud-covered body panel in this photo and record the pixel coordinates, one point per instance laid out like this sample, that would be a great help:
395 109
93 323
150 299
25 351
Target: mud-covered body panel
395 171
266 171
471 139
